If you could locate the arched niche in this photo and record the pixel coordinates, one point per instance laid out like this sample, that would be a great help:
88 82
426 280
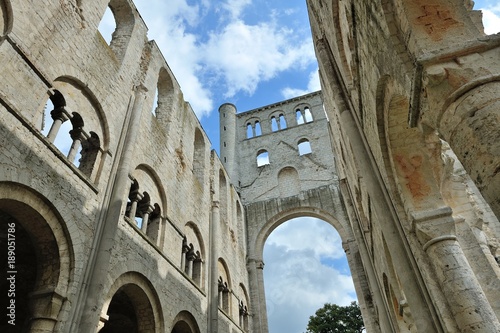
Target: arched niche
185 322
193 254
289 182
225 286
6 19
44 256
199 157
166 100
124 23
131 305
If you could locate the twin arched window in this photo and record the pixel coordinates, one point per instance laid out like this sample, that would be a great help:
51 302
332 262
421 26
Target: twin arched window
68 133
303 115
253 129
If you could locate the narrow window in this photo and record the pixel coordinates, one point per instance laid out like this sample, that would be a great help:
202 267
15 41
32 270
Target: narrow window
308 115
155 103
304 147
282 121
300 117
258 130
107 25
249 131
262 158
274 124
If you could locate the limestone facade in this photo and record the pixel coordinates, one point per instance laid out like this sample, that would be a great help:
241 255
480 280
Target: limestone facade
116 202
126 220
411 90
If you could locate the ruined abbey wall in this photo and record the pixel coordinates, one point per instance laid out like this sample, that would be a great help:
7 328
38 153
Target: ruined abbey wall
123 212
410 88
126 220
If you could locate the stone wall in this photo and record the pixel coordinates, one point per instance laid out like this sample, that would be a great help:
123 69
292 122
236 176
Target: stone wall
408 88
131 162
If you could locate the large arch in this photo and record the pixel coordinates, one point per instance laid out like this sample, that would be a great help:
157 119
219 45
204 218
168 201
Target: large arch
185 322
132 305
42 237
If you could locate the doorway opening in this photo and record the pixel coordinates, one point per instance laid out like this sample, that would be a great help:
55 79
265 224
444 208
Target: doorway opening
305 267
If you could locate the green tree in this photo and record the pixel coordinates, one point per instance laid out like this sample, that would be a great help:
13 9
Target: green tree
332 318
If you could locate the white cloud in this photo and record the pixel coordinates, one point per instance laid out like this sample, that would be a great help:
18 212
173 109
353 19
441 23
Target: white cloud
312 85
491 20
235 7
244 55
296 282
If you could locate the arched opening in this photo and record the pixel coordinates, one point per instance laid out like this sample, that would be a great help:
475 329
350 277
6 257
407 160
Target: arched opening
258 130
38 270
305 267
107 25
274 124
308 115
185 323
299 117
199 157
262 158
116 26
249 131
122 316
20 281
282 122
130 311
304 147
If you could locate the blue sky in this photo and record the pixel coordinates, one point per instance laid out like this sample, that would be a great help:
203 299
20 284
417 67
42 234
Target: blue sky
252 53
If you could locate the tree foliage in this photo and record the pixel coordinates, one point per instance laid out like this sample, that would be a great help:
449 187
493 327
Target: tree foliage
332 318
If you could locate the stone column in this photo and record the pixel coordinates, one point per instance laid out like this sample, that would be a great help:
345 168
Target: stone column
471 126
213 288
257 295
89 299
425 320
135 198
59 116
436 232
46 306
145 218
76 135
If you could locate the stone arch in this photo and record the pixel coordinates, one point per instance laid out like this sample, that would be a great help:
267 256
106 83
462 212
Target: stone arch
40 227
288 182
132 305
343 36
224 198
224 285
6 19
147 205
77 111
166 96
125 22
199 157
185 322
194 250
469 123
283 216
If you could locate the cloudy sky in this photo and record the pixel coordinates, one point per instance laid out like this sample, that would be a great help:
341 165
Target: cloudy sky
253 53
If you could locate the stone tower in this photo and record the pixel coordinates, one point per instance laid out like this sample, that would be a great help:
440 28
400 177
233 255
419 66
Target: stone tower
228 151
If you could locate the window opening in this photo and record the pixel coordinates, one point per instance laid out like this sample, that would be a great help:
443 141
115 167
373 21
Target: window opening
258 130
223 295
274 124
282 122
107 25
304 147
300 117
249 131
262 158
243 318
155 104
308 115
